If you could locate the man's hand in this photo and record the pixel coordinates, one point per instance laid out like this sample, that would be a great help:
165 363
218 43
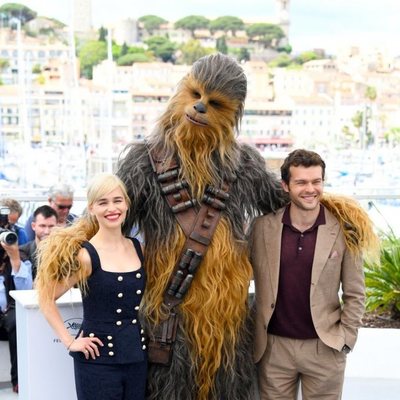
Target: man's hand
12 251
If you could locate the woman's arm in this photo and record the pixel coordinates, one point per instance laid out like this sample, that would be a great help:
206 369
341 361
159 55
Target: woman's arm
52 313
87 345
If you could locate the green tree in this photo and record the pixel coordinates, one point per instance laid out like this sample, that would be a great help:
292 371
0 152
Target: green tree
268 34
4 64
348 134
19 11
152 22
50 32
131 58
192 22
192 50
370 93
118 51
392 136
363 127
306 56
226 24
166 52
56 23
135 49
244 54
285 49
155 41
41 80
221 45
357 119
124 49
90 54
36 69
102 34
161 47
281 61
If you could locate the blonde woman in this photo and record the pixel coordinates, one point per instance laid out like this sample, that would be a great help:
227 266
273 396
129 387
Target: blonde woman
110 360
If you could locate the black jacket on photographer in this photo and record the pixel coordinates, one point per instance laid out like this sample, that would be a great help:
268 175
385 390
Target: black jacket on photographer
7 316
5 272
16 275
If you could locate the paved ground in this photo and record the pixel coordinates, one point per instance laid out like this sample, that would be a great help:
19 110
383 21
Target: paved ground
371 389
354 389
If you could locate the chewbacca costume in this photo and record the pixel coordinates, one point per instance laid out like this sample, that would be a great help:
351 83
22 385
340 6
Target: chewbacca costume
212 356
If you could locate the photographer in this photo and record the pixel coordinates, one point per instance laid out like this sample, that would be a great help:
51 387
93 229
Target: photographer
43 222
14 275
13 217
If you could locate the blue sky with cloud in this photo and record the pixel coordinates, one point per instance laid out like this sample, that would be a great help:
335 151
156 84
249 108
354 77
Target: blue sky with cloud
314 23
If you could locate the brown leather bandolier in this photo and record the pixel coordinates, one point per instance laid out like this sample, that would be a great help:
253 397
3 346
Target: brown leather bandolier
198 222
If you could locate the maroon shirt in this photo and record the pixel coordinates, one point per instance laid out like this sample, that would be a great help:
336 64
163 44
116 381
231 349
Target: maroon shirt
292 315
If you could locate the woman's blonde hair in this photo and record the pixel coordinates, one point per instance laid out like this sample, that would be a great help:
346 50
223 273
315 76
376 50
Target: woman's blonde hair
103 184
57 254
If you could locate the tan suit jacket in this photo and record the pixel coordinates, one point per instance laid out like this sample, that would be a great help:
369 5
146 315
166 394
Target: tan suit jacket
336 318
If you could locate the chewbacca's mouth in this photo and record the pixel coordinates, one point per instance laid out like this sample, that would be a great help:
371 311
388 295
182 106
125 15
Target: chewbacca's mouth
195 121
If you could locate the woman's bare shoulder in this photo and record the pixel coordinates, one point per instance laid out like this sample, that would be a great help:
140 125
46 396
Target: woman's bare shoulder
84 259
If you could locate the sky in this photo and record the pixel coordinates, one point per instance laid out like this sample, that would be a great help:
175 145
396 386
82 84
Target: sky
314 23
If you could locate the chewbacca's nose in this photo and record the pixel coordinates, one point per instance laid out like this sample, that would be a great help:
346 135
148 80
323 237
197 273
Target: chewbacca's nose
200 107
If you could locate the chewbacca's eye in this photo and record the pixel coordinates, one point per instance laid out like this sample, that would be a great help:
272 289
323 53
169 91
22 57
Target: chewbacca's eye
196 95
214 103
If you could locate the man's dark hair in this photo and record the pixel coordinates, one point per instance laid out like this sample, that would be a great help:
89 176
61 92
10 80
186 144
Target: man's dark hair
46 211
301 157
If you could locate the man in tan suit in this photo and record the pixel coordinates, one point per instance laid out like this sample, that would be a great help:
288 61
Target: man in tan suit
304 328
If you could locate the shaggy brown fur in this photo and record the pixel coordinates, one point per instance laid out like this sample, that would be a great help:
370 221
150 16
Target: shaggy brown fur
198 128
356 225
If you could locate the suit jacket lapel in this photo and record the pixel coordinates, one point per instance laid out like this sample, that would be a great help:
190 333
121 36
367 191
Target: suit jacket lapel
326 237
273 239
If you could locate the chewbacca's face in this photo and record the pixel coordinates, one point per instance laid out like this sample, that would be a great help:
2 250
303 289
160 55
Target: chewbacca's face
203 110
201 118
200 122
209 101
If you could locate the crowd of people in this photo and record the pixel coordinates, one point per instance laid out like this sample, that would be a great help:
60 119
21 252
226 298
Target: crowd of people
18 258
170 318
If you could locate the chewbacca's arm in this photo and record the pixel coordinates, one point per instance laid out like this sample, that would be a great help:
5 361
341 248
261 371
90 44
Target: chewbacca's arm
135 171
262 187
357 227
148 211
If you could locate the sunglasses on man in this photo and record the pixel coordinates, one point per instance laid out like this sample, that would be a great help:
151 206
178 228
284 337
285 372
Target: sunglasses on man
62 207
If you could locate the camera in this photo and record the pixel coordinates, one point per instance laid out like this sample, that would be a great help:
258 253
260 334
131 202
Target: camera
7 235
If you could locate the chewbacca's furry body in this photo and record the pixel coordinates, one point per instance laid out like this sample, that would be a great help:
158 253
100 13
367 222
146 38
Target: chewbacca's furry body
213 356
